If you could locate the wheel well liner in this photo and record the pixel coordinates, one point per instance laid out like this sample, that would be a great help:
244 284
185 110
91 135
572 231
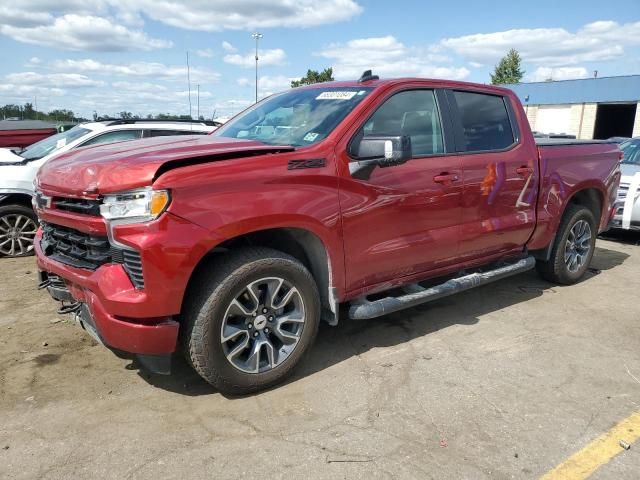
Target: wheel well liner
15 199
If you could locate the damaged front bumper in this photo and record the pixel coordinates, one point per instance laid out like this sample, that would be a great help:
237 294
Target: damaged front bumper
152 341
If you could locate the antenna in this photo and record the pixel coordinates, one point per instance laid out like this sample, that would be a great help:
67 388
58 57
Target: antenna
368 76
189 84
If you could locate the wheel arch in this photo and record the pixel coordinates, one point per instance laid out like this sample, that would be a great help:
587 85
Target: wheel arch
302 244
15 198
588 196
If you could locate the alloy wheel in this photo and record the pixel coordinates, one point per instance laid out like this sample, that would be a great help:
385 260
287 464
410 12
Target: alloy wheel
262 325
17 233
578 245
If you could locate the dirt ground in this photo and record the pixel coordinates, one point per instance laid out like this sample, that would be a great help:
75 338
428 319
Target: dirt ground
506 381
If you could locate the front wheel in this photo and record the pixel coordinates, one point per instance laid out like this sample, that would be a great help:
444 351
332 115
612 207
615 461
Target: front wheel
250 320
18 226
573 247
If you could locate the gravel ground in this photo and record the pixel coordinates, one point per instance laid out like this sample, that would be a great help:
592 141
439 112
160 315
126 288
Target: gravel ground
505 381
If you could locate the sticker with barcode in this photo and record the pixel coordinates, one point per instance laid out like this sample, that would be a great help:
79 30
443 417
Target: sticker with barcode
336 96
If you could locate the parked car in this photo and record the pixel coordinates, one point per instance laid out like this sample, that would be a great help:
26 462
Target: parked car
237 244
18 169
16 133
628 205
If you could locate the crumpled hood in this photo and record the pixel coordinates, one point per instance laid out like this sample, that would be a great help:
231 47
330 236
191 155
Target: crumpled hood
126 165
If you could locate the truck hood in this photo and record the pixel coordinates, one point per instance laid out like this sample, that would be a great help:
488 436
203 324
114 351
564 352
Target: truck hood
126 165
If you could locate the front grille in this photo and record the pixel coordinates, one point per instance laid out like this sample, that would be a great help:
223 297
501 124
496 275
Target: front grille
82 250
73 247
623 189
78 205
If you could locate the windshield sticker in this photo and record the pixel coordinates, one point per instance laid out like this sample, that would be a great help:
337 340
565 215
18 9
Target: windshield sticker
336 96
310 137
61 143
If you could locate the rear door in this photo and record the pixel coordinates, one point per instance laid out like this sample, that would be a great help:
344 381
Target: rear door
403 220
500 174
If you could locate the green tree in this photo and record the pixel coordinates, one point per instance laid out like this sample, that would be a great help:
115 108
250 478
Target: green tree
509 70
126 115
313 76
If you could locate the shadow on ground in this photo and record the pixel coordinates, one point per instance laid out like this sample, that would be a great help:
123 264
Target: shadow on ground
350 338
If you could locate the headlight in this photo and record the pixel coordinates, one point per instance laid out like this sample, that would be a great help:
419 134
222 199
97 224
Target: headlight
138 205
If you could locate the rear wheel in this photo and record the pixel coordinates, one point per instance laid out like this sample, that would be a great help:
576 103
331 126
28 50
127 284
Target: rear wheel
573 247
250 322
18 226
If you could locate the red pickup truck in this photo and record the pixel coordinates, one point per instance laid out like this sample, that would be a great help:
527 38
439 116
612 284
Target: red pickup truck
375 194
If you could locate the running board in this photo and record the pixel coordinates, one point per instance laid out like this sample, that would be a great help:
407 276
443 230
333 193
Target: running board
363 309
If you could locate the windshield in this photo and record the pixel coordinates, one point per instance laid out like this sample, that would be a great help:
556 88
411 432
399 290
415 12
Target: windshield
297 117
52 143
631 150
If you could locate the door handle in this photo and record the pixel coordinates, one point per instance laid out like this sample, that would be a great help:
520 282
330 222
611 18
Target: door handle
445 178
524 170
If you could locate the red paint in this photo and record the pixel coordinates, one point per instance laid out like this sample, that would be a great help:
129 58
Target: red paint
23 138
428 217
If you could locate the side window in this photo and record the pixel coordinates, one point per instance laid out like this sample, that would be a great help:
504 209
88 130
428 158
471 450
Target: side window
164 133
485 121
114 136
413 113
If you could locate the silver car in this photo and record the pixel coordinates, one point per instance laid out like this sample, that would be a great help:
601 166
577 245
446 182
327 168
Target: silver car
628 204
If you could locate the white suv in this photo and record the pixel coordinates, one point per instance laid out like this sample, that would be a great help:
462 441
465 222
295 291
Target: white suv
18 222
628 205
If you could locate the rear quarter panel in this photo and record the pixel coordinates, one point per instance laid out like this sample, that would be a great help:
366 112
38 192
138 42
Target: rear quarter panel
565 170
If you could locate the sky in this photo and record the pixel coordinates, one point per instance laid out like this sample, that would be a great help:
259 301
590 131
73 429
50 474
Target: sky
109 56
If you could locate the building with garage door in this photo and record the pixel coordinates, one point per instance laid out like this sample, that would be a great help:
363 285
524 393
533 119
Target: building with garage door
593 108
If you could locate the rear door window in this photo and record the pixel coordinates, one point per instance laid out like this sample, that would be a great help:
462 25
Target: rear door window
164 133
484 121
114 136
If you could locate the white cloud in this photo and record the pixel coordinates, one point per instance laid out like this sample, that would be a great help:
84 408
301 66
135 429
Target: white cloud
57 80
389 58
245 14
598 41
116 25
83 32
27 92
542 74
205 53
135 69
267 85
274 56
227 47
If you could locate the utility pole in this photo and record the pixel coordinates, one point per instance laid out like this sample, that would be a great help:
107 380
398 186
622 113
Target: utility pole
198 101
189 84
257 36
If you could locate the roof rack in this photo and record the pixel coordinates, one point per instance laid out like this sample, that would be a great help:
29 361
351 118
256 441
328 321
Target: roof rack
367 76
128 121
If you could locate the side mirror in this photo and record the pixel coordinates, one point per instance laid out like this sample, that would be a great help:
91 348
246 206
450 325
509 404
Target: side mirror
378 151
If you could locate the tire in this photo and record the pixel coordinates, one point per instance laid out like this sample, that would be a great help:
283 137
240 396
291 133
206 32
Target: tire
217 305
18 226
569 242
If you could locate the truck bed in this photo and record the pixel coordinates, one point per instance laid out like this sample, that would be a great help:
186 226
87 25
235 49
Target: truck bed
552 142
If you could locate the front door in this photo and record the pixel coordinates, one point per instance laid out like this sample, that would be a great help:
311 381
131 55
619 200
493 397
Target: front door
405 219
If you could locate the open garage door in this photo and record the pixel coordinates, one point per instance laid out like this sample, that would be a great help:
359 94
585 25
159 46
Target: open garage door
614 120
553 119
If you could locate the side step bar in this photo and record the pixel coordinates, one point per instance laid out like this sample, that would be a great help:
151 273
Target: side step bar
363 309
